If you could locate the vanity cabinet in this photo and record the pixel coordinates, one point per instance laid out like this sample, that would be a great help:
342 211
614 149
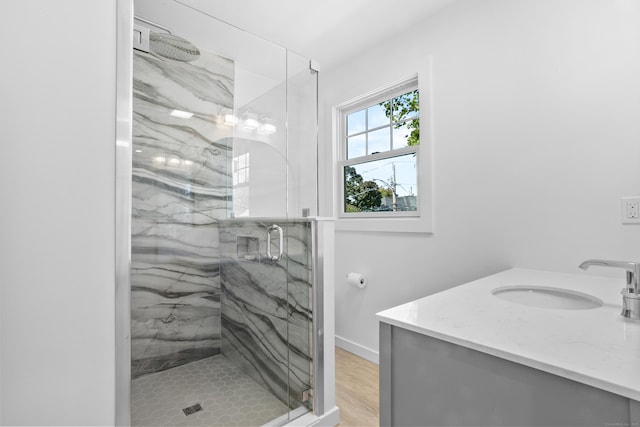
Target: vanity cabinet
467 357
425 381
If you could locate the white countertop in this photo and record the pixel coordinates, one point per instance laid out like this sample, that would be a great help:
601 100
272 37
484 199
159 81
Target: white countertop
597 346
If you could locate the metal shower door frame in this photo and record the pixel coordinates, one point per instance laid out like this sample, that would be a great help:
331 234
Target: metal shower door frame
124 169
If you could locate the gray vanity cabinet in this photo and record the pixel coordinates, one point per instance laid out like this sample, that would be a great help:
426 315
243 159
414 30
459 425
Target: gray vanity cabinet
425 381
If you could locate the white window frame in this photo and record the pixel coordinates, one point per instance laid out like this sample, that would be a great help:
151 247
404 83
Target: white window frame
403 221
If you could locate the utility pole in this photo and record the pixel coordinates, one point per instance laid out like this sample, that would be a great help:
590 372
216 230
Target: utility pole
394 197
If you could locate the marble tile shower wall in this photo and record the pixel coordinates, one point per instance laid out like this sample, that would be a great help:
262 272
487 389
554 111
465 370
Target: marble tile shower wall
180 191
266 306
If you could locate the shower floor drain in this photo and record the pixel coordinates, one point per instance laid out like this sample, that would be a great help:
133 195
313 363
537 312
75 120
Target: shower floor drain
192 409
158 399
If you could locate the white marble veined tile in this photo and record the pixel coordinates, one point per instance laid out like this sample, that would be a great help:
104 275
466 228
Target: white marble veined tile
157 135
266 308
180 191
173 183
199 87
180 236
148 349
154 287
171 208
206 328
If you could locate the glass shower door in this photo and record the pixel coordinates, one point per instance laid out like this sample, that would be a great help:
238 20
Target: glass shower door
302 207
274 194
224 181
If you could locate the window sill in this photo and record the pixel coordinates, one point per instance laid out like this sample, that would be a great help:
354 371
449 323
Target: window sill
416 225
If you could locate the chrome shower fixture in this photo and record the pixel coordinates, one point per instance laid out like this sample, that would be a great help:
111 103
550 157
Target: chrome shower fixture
173 47
165 45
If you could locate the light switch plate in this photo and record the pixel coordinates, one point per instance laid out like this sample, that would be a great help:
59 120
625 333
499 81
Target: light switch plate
630 210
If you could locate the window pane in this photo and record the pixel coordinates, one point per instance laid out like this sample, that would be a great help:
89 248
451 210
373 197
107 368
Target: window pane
379 141
356 146
377 117
382 185
405 106
406 134
356 122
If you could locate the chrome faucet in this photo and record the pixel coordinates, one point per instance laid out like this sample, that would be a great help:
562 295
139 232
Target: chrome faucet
630 293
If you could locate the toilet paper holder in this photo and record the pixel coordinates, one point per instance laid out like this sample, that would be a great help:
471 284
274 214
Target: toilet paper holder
357 279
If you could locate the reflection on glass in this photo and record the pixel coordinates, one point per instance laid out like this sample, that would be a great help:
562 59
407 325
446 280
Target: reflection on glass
241 169
356 122
377 117
383 185
356 146
379 141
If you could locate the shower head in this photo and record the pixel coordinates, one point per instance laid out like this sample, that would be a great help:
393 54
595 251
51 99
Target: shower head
173 47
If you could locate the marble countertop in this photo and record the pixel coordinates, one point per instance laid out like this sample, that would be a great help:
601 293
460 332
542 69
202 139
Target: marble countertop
597 346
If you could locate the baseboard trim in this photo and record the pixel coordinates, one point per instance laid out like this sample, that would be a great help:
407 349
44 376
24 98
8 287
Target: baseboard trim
358 350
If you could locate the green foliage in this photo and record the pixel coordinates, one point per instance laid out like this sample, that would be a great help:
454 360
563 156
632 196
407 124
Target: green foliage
360 195
366 196
386 192
399 108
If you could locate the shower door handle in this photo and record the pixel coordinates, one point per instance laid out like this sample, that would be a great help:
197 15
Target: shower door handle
271 229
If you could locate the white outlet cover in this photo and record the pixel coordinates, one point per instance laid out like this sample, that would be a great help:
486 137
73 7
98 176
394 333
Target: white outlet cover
624 209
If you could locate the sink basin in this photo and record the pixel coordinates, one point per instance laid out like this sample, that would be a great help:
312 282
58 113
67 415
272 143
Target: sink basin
547 297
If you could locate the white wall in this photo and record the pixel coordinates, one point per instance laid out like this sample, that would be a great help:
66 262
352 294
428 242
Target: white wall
57 130
535 138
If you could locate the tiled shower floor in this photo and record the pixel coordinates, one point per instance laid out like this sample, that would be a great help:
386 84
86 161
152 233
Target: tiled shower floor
228 397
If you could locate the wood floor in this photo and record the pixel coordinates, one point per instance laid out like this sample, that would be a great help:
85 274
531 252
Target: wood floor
357 390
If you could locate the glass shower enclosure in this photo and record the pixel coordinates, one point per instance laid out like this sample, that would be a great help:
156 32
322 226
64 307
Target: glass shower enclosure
223 192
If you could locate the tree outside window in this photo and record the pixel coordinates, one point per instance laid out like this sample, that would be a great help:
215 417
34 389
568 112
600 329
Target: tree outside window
381 172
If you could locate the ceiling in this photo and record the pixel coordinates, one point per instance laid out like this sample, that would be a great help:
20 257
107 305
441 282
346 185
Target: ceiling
328 31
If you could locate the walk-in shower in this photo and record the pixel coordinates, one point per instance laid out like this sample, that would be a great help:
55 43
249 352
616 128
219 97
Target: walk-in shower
225 273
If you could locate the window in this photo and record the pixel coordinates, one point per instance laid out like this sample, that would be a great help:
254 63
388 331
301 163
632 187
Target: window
379 163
